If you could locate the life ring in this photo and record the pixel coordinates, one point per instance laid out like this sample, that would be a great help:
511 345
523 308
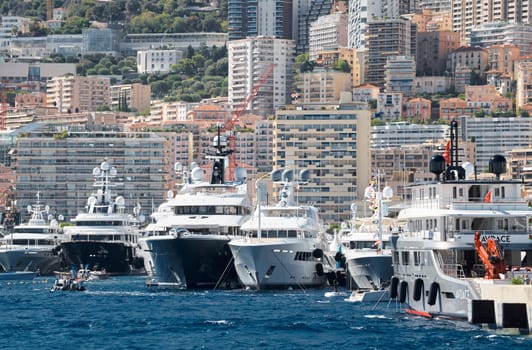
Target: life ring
418 288
393 287
403 288
433 293
317 253
319 269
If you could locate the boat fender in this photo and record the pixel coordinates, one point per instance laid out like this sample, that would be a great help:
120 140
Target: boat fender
319 269
317 253
403 288
418 288
433 293
393 287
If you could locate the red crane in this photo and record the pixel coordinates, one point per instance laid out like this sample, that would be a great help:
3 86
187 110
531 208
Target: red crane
235 118
491 256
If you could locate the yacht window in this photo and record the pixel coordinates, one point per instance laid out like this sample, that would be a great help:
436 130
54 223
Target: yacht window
465 224
497 192
454 192
395 257
405 258
502 192
461 192
457 225
417 258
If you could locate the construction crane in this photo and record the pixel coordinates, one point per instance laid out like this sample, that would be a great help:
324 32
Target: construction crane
234 119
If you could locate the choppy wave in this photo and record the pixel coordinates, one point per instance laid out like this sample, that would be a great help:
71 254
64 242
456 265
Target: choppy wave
121 313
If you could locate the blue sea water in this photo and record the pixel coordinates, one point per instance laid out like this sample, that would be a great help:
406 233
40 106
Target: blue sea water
121 313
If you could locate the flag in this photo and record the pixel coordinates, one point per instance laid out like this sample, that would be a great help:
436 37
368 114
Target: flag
447 153
487 197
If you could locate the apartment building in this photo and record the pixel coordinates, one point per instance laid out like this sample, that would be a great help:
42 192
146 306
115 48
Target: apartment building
495 136
432 51
58 163
328 32
157 61
130 97
354 58
503 33
523 75
399 134
389 106
417 108
399 75
261 67
334 145
389 37
322 86
73 94
469 14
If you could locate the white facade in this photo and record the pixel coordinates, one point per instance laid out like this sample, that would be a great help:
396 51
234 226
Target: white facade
262 63
363 11
468 14
327 33
499 33
403 133
495 136
389 106
157 61
7 25
523 73
169 111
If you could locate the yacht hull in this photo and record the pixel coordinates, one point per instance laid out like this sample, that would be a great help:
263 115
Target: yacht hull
116 258
191 262
44 261
370 271
277 265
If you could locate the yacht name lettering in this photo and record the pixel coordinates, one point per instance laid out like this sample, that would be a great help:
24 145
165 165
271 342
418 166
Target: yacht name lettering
501 238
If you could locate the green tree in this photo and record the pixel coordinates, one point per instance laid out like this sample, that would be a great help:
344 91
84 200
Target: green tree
159 89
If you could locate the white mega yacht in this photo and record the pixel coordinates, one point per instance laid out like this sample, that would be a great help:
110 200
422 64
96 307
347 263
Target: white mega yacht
105 236
186 245
442 267
284 244
31 246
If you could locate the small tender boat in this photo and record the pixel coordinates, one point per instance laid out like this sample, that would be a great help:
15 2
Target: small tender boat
98 275
66 281
18 275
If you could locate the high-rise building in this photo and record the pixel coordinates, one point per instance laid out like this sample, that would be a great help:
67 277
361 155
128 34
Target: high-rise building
469 14
73 94
333 144
327 33
323 85
499 33
399 75
129 97
250 18
387 37
262 63
306 12
432 50
523 75
58 164
495 136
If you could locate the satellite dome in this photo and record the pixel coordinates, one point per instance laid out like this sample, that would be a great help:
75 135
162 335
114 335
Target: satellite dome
288 175
197 174
276 175
241 174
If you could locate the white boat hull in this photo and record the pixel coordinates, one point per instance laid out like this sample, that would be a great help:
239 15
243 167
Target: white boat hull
278 265
370 270
42 260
